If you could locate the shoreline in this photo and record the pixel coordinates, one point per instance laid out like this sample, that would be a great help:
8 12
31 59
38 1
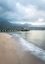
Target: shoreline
25 54
13 51
8 53
35 50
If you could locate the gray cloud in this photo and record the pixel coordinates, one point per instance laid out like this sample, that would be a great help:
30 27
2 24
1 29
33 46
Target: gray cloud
22 10
40 4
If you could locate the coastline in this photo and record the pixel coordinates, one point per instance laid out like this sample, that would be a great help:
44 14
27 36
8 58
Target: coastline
13 51
35 50
7 50
24 52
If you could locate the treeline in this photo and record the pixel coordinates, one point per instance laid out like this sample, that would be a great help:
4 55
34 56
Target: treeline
17 28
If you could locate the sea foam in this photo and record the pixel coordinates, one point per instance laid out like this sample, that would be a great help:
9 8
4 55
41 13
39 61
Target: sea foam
36 51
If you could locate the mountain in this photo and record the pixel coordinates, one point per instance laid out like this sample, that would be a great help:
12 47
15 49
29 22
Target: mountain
23 25
27 25
17 24
8 25
5 24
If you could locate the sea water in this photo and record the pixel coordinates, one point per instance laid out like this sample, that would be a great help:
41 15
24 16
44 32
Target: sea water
33 41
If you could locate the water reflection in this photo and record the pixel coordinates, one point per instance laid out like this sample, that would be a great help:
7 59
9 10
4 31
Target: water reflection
36 37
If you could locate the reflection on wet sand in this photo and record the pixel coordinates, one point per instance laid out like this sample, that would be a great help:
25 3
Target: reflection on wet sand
24 54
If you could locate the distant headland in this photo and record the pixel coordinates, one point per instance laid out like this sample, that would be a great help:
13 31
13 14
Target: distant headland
7 26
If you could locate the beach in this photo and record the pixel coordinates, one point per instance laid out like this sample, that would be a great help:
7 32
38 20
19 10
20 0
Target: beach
7 50
11 52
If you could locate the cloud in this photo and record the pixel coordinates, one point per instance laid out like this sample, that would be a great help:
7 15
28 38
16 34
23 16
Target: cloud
41 20
40 4
22 10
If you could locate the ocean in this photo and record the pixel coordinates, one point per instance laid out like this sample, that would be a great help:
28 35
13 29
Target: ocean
36 37
33 40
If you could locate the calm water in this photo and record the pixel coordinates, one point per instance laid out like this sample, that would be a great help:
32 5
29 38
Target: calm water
36 44
36 37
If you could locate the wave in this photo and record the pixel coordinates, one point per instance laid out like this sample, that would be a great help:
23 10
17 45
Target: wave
36 51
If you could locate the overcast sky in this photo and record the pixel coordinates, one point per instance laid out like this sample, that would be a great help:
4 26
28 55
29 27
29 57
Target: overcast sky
23 11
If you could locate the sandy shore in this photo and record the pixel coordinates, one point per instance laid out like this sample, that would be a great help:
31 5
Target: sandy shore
24 54
7 50
11 53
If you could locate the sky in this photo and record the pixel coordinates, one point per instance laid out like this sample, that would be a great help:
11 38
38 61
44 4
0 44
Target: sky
23 11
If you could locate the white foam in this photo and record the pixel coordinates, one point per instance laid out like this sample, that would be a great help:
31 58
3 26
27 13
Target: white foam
38 52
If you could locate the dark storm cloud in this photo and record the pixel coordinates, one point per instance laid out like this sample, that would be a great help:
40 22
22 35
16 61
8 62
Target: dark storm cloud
22 10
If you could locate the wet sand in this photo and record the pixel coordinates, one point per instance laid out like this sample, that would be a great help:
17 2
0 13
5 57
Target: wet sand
25 55
11 52
7 50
